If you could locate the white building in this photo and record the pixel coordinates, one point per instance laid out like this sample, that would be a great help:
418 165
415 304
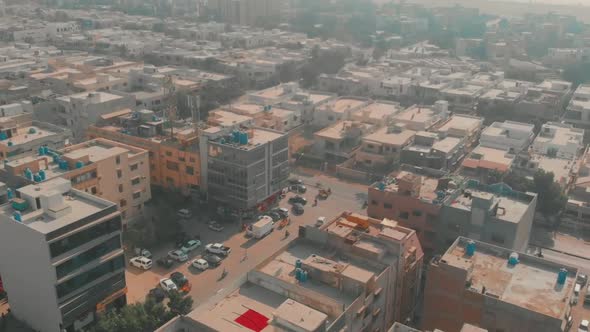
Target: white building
508 135
559 140
578 111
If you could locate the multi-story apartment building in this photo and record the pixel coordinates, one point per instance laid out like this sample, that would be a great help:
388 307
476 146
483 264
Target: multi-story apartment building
338 142
466 127
497 289
382 149
61 256
243 168
114 171
79 111
508 136
491 213
20 134
174 159
578 110
352 274
432 151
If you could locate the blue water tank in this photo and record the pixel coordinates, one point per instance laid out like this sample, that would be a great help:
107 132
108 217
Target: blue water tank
381 186
32 130
17 216
243 138
42 175
28 174
63 165
561 276
236 136
513 258
10 143
3 136
9 193
79 164
45 150
36 178
470 248
41 151
303 276
298 264
56 158
298 273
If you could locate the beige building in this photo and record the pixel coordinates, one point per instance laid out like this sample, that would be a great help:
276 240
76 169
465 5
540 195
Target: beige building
383 148
113 171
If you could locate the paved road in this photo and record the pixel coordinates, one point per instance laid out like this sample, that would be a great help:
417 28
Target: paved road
345 196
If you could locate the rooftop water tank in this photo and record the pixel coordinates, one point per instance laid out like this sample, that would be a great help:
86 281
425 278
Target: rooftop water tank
41 151
298 264
381 186
513 259
3 136
79 164
9 193
561 276
36 178
470 248
243 138
42 175
32 130
17 216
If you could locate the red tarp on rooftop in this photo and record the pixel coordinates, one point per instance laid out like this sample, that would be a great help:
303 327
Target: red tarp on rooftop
253 320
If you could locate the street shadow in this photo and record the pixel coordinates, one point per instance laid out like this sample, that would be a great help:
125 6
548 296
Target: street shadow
543 237
251 241
194 271
361 196
254 292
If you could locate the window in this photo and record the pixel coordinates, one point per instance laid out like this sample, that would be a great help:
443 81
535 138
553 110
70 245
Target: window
122 203
85 278
88 256
118 160
134 167
374 202
404 215
119 173
135 181
417 213
93 190
173 166
75 240
136 195
190 170
83 177
387 205
120 188
169 154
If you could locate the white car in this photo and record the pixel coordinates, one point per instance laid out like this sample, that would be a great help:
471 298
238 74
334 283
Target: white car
200 264
321 221
178 255
190 245
141 262
143 252
168 285
184 213
583 326
218 249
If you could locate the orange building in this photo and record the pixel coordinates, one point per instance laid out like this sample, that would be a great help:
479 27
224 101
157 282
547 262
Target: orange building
173 155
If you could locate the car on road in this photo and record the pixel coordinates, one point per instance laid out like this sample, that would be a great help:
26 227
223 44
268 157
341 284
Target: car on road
190 245
212 260
295 181
298 199
168 285
297 209
165 262
157 294
282 212
143 252
184 213
200 264
215 226
179 279
275 216
178 255
583 327
141 262
218 249
298 188
582 279
320 222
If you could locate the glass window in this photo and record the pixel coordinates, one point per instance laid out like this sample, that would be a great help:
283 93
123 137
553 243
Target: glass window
120 188
119 173
190 170
135 181
134 167
118 160
75 240
416 213
136 195
173 166
387 206
85 278
404 215
88 256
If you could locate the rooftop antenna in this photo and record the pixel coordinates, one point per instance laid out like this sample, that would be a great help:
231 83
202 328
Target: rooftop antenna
194 104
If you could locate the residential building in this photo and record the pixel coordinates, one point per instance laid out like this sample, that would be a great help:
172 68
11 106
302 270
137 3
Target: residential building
352 274
174 157
338 142
491 213
462 97
559 140
21 135
421 118
435 152
340 109
114 171
466 127
577 210
497 289
508 136
382 149
578 110
414 200
81 110
484 161
243 168
399 327
379 113
267 116
545 101
71 243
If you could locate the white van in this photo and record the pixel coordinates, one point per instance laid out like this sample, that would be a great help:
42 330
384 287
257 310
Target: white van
577 289
184 213
141 262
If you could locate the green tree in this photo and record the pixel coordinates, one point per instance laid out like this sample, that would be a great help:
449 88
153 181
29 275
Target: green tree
551 199
140 317
577 73
180 305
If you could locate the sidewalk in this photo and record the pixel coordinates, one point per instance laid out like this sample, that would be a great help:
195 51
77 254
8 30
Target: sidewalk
560 241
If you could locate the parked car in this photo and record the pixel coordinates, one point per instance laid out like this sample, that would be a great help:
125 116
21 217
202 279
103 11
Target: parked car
190 245
298 199
143 252
215 226
282 212
168 285
179 279
178 255
583 326
275 216
165 262
218 249
157 294
295 181
200 264
298 188
212 260
582 279
298 209
184 213
321 221
587 296
141 262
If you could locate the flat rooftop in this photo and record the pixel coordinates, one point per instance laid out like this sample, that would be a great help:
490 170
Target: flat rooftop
462 123
509 209
80 205
489 158
226 118
247 109
377 111
386 137
561 168
423 116
530 284
428 185
338 130
24 136
91 97
562 135
466 90
342 105
447 144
